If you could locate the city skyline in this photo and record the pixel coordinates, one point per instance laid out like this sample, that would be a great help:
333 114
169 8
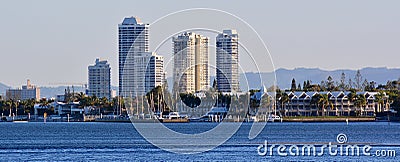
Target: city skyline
206 80
368 35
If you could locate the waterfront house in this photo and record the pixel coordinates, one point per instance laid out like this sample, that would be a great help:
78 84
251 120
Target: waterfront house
339 104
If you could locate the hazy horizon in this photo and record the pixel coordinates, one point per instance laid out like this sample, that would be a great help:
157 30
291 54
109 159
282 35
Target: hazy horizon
213 75
53 42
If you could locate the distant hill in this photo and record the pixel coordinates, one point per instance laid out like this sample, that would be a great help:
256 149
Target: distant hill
50 92
285 76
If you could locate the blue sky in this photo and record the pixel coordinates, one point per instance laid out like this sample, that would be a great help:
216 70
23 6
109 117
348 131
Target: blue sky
52 42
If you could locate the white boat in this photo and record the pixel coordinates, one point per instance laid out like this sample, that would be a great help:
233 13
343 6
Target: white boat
216 114
252 119
273 118
174 115
20 121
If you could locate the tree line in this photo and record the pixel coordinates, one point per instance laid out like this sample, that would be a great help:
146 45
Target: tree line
356 84
11 107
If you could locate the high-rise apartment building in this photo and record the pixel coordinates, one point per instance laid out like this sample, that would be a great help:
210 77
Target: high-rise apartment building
133 44
154 75
227 61
190 62
139 70
99 79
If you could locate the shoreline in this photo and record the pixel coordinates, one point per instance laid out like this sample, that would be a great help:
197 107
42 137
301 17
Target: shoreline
289 120
330 119
298 119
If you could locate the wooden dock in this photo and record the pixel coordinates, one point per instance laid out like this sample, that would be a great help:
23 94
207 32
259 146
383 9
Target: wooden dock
183 120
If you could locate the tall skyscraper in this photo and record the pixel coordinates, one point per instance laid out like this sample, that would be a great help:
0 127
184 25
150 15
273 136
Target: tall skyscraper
227 61
99 79
190 62
133 44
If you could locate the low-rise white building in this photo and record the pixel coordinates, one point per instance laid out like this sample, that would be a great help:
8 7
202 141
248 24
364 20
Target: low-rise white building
71 108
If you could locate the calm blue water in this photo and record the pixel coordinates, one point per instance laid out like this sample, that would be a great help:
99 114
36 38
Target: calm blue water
120 141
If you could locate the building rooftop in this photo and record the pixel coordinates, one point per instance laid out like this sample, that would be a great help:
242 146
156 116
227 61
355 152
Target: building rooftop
230 31
131 21
99 61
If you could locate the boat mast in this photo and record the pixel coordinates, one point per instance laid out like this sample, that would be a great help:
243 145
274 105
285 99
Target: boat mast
142 103
152 102
137 105
217 100
158 102
117 106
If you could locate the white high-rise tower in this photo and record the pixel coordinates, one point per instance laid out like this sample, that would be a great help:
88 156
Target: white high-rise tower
133 44
227 61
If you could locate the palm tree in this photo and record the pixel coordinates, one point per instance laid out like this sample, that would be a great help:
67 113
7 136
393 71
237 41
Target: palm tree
93 101
283 99
80 96
24 104
379 98
16 105
352 96
8 104
360 102
324 102
84 101
44 102
2 106
114 104
29 105
103 103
